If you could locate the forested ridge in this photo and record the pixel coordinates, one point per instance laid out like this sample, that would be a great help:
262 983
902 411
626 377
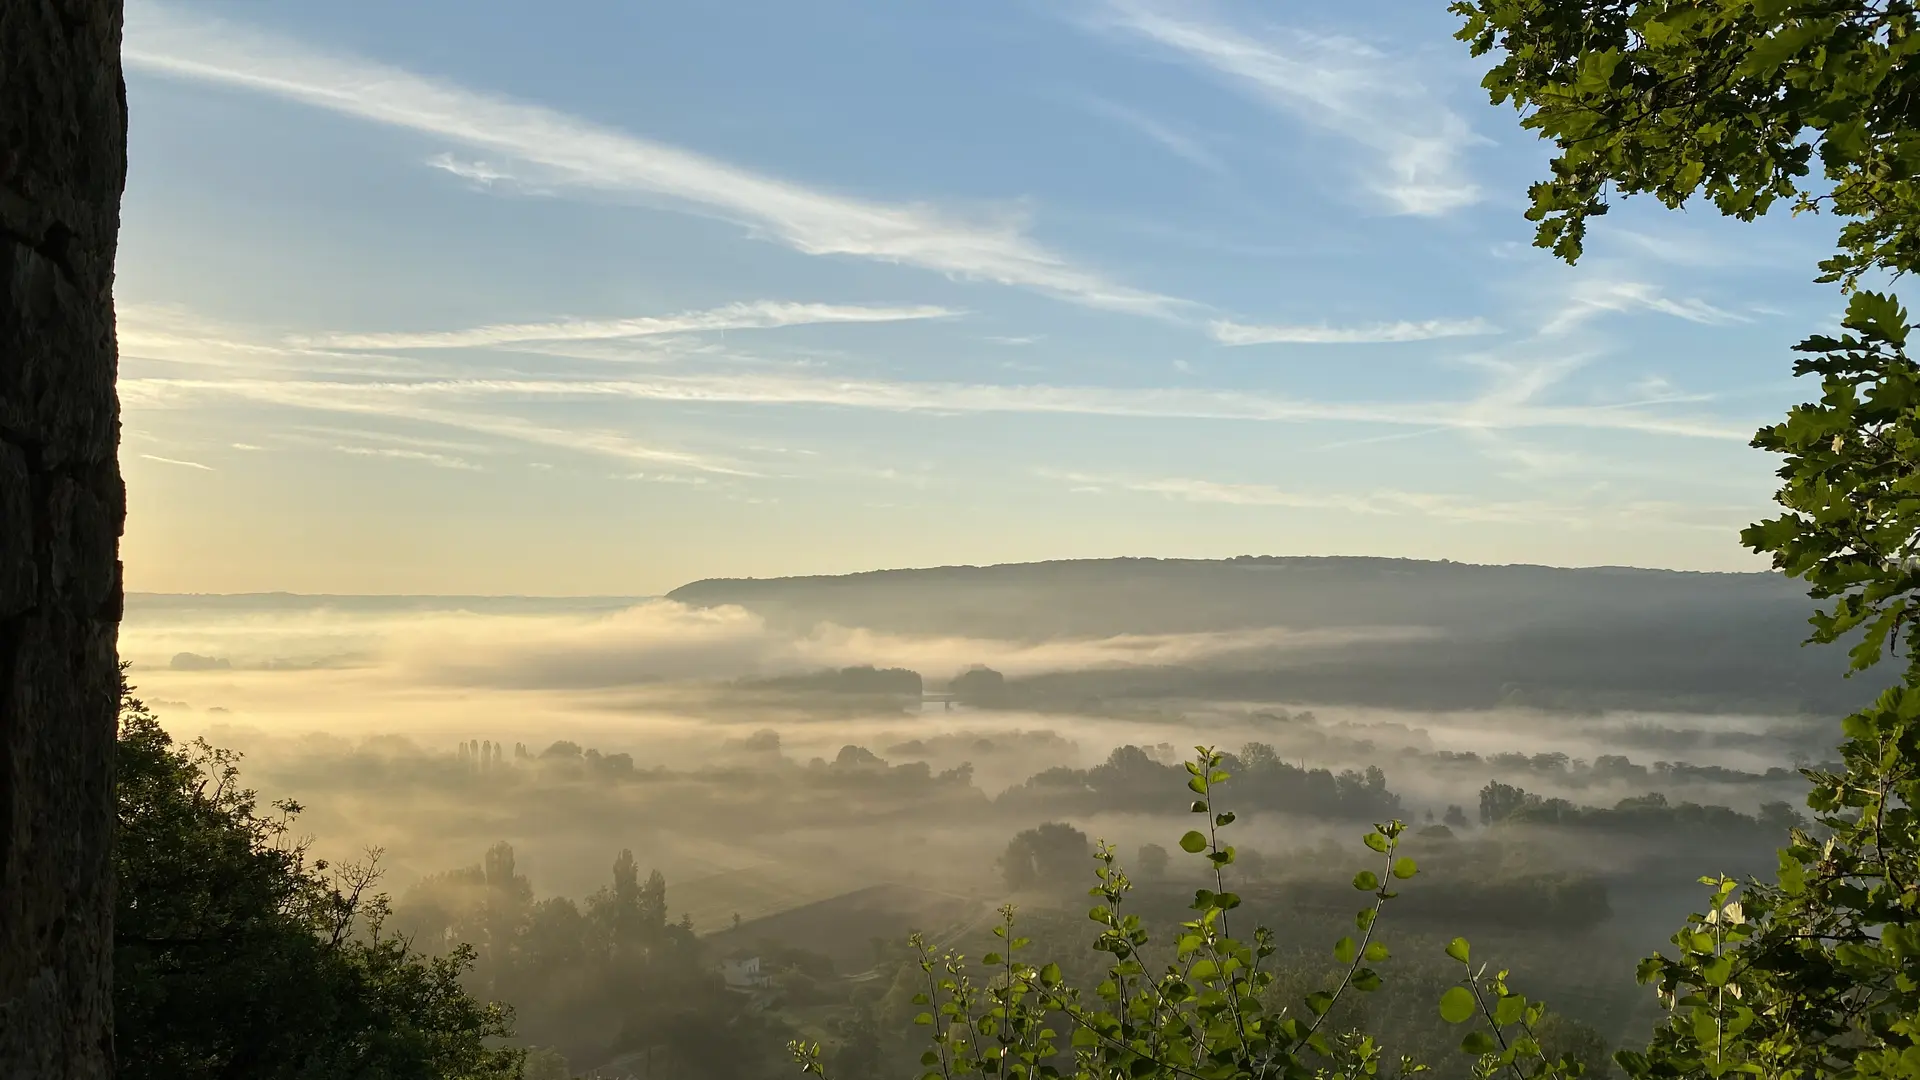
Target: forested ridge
1419 633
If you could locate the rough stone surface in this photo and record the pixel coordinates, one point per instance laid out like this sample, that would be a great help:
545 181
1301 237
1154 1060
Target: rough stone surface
62 168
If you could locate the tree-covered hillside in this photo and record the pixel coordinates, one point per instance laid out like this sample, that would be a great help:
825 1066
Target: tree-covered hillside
1399 632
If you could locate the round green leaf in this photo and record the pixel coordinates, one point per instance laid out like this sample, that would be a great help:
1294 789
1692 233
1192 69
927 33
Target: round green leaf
1193 843
1457 1005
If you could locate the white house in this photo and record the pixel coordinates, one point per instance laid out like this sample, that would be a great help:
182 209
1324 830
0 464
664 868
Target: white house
744 974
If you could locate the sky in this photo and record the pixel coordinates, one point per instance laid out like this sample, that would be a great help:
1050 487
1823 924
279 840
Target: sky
597 298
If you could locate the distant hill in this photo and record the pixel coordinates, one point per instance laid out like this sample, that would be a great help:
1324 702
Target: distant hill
1581 638
1143 596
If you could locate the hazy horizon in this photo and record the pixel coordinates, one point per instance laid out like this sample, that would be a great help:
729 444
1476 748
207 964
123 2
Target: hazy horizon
635 597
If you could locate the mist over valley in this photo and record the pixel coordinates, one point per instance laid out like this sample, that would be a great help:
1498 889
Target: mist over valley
823 765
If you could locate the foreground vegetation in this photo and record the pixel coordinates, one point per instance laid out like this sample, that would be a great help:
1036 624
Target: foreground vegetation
235 955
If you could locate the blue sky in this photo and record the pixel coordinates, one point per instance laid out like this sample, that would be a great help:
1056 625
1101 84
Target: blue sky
583 297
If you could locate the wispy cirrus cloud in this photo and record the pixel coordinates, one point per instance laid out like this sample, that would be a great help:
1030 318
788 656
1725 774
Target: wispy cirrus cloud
1436 505
178 461
663 478
405 400
328 435
758 315
166 332
1337 84
1591 298
173 334
567 151
391 401
1227 332
482 176
439 461
1175 141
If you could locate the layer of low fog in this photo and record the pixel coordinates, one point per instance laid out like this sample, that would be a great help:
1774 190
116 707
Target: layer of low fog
693 736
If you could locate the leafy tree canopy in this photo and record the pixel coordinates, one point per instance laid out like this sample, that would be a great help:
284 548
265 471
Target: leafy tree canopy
1730 99
236 955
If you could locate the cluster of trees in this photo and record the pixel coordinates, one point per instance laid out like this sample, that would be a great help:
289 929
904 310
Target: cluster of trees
948 744
1663 738
754 775
1299 735
1044 856
1132 779
980 687
570 758
1609 769
857 770
1649 813
609 982
235 954
486 757
863 681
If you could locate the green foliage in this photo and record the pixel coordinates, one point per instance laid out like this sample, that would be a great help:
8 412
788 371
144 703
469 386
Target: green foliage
1850 484
1508 1038
1731 99
235 955
1817 973
1205 1005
